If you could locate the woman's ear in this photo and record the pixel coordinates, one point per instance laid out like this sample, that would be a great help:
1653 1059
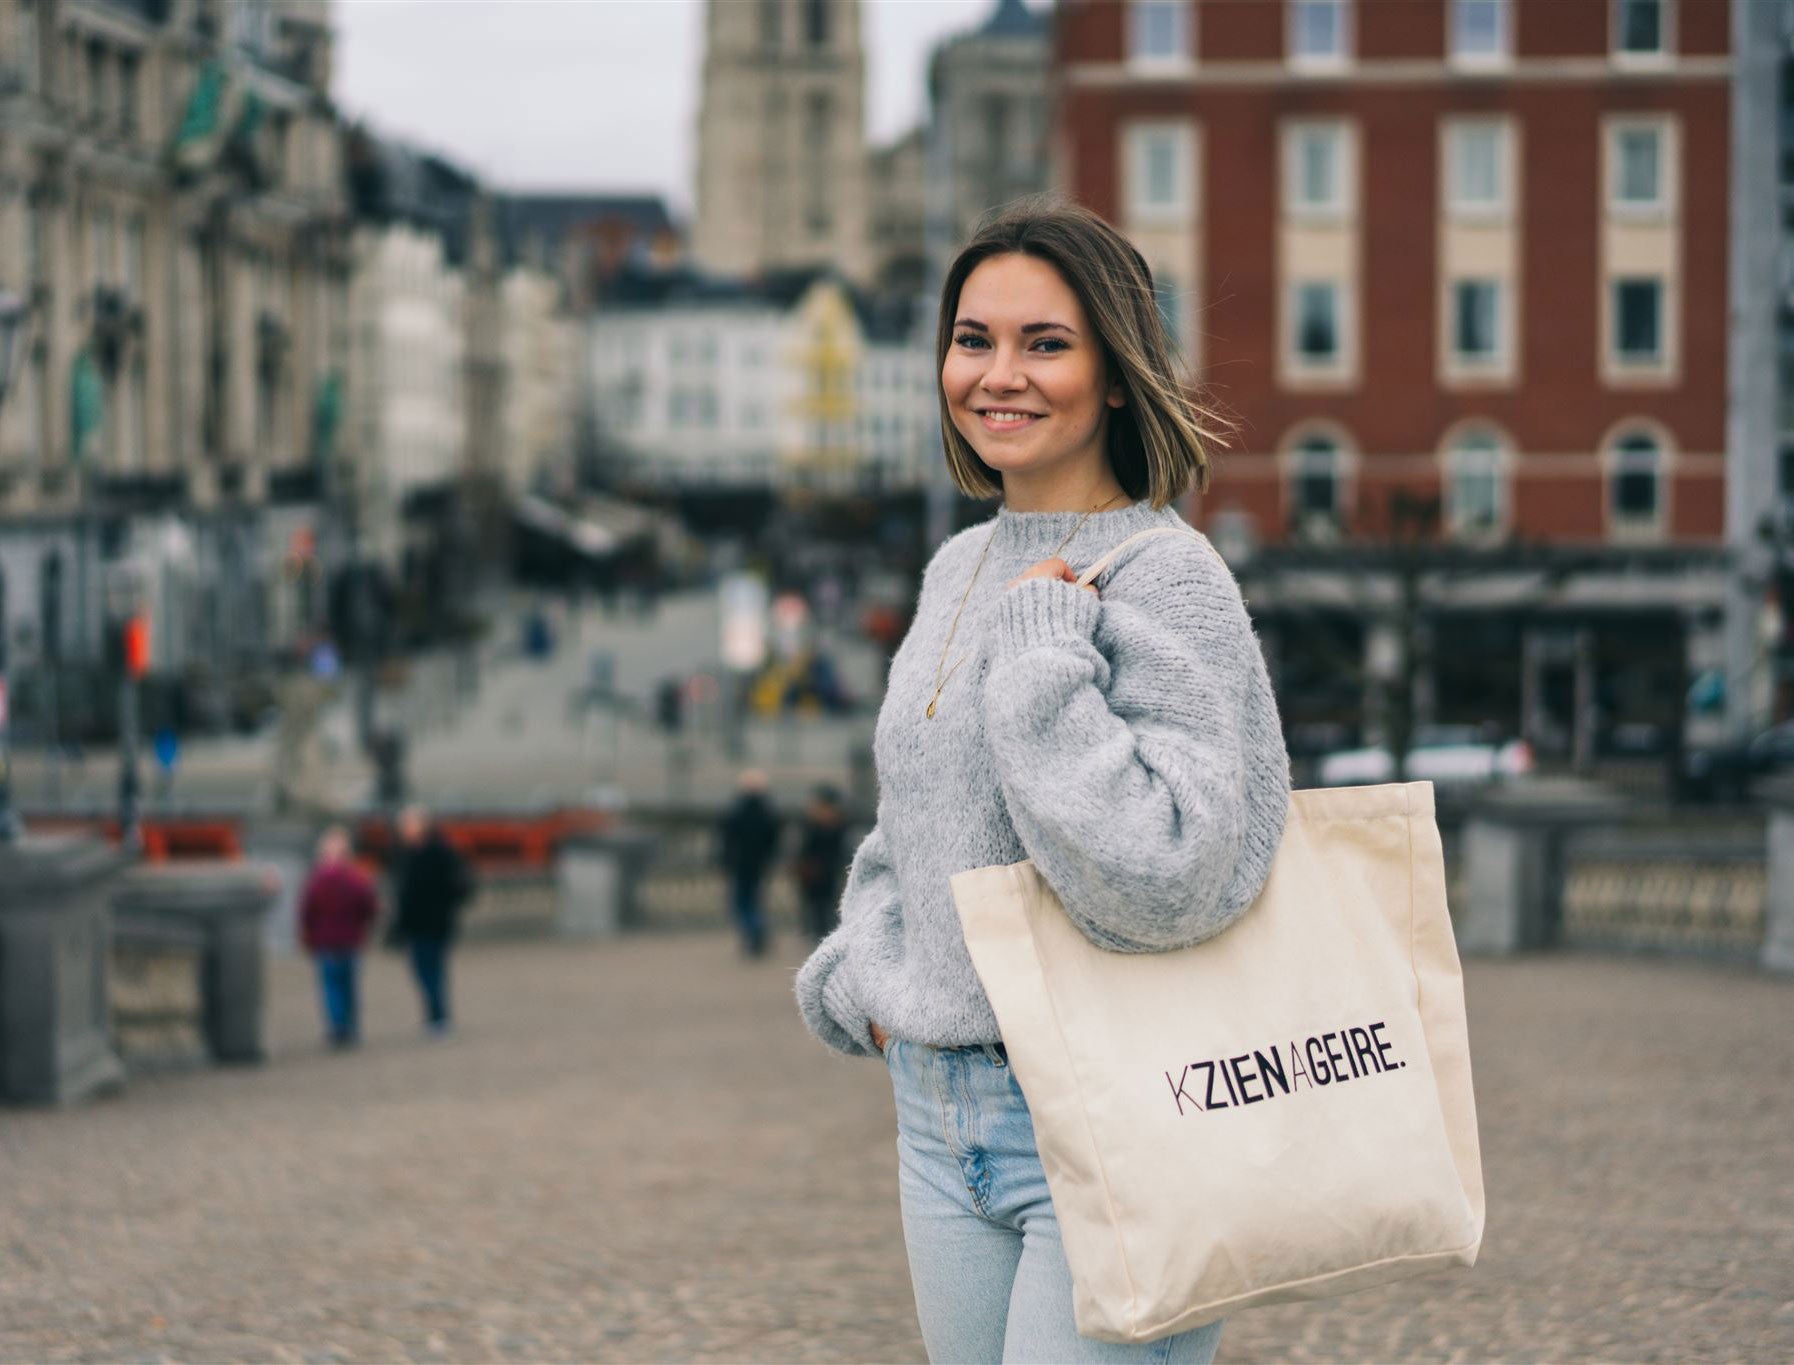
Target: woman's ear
1117 395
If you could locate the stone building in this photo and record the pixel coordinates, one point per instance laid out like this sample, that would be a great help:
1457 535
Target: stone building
781 176
172 216
988 124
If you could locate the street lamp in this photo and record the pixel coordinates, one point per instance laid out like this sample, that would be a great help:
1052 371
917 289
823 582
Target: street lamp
14 313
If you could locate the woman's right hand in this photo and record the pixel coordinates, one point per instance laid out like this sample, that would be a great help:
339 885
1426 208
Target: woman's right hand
879 1037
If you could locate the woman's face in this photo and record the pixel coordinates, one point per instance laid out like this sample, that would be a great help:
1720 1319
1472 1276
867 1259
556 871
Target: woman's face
1024 375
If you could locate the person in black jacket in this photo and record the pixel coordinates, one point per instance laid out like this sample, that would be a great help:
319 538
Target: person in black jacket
821 856
749 846
433 883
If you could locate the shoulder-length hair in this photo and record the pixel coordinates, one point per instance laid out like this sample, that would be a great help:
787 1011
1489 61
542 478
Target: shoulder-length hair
1158 441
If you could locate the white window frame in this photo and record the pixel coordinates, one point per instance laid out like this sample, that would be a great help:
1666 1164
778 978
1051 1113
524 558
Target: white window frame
1477 443
1615 462
1341 457
1666 33
1320 61
1344 203
1669 169
1457 132
1299 361
1136 140
1183 45
1504 30
1496 360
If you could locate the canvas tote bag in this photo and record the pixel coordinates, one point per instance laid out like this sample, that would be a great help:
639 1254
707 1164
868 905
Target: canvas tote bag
1281 1112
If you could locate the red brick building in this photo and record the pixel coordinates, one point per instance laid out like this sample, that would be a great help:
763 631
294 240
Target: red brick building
1471 251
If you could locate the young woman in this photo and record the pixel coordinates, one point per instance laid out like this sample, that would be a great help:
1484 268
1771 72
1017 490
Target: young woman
1123 736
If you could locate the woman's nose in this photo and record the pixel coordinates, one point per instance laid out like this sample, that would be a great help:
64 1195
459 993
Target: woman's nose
1002 375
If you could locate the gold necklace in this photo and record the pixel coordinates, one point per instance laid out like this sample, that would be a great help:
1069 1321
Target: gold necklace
941 682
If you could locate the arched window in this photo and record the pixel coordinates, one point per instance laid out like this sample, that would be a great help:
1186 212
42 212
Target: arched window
1635 487
1315 485
1475 488
816 22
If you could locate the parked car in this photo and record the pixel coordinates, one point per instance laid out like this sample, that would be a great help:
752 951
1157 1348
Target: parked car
1448 755
1724 772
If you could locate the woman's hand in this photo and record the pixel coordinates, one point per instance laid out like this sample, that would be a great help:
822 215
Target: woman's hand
879 1036
1055 568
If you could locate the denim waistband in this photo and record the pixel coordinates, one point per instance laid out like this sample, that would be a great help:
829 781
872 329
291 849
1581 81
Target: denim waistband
996 1052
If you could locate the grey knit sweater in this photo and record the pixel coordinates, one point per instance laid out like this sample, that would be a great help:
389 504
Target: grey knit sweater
1130 746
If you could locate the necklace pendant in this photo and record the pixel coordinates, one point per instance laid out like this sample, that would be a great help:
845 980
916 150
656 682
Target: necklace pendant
935 698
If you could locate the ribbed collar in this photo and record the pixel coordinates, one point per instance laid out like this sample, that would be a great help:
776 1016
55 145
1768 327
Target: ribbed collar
1039 533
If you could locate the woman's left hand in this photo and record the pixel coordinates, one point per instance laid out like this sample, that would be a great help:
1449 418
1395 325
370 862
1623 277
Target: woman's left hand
1055 568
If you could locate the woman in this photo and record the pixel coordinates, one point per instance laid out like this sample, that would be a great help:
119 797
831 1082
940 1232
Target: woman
337 907
1123 736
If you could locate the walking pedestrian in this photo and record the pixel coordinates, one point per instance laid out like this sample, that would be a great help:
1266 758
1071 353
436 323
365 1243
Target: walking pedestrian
820 857
433 882
749 844
1122 735
336 909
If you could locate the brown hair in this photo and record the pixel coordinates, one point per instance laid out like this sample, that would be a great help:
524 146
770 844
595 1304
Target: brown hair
1158 442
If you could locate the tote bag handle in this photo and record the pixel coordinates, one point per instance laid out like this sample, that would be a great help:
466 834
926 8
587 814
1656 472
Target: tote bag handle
1089 575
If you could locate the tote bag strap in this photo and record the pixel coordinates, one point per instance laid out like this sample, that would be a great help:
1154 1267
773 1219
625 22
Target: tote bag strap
1089 575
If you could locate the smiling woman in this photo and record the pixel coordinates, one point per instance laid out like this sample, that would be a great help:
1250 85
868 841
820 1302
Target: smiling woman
1118 732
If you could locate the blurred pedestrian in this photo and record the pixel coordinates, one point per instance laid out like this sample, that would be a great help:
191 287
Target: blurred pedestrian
336 909
821 855
749 846
432 882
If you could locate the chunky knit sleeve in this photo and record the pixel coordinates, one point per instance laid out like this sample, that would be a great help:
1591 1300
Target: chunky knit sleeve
1137 745
825 991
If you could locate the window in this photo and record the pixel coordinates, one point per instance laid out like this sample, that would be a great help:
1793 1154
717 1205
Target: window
1638 167
133 276
1317 32
996 130
127 94
769 22
818 115
1640 28
1317 322
1479 31
1636 475
1157 31
1159 172
1315 484
1315 170
1784 477
816 22
1473 484
1638 320
1476 170
100 264
1164 292
1476 321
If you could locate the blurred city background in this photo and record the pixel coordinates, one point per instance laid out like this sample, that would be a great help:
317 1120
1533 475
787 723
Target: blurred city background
528 410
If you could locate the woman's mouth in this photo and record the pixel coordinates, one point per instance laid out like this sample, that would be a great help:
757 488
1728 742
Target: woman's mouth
1007 419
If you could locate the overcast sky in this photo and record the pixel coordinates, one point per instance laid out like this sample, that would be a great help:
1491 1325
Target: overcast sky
585 94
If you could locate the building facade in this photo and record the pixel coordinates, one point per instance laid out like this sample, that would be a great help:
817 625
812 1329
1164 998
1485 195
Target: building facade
781 177
1459 269
172 217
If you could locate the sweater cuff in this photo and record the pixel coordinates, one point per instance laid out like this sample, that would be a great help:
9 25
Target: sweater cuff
1045 611
825 997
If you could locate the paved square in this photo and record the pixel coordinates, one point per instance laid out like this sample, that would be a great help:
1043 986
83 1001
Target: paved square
633 1152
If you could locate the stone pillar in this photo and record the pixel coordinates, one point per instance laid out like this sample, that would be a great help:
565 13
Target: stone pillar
228 903
1778 906
598 876
55 1011
1514 859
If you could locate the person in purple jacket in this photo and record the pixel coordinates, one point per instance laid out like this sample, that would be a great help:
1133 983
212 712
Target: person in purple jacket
338 907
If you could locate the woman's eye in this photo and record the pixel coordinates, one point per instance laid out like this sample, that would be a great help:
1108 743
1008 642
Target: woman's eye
1054 342
968 339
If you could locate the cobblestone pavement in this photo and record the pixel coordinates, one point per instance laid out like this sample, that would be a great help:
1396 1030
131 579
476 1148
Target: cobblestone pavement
632 1152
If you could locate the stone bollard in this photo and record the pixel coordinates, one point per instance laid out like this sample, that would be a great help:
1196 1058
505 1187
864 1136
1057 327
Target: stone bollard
598 875
228 904
1778 906
1514 860
55 1010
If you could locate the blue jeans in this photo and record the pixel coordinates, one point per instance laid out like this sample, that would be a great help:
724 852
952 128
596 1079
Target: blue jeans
744 906
336 981
429 964
985 1256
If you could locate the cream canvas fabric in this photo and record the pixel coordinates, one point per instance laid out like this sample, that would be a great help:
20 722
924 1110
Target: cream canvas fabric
1282 1112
